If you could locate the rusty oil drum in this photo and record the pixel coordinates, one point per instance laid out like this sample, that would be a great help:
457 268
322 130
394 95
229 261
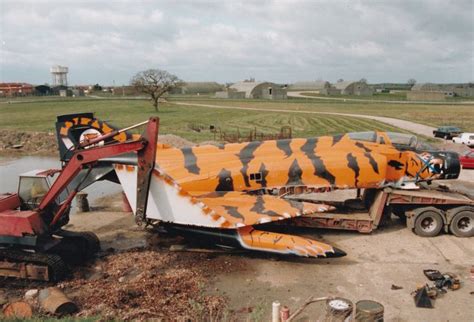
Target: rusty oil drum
54 301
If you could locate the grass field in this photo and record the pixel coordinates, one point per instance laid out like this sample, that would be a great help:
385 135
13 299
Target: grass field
40 116
430 114
397 96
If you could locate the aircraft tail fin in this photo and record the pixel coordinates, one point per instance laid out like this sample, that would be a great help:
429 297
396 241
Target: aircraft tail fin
71 129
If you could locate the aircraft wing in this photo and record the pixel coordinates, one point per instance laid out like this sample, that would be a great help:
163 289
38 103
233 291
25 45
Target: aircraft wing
240 209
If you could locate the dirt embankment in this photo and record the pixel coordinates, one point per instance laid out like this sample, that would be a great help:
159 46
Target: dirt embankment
41 143
31 143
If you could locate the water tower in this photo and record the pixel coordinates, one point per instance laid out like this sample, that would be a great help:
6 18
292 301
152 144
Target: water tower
59 74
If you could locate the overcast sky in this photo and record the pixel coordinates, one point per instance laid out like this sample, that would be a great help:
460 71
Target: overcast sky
281 41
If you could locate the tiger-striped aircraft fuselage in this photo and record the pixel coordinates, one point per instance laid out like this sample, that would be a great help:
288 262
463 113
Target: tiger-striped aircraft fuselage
223 192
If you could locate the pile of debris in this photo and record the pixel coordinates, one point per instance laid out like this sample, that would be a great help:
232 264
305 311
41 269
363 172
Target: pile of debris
175 141
425 294
134 285
146 284
40 143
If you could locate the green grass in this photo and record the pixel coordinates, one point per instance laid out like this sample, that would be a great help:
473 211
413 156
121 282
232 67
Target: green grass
430 114
399 96
175 119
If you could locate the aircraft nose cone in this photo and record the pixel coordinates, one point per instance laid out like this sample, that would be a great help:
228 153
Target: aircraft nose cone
452 165
337 253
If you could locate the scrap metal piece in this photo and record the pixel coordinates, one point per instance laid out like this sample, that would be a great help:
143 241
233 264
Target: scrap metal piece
367 310
433 274
422 299
53 300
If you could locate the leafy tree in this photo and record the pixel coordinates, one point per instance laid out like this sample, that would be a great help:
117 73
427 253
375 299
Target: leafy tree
411 81
155 82
97 87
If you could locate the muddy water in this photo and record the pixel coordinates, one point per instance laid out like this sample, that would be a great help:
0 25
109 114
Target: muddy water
11 168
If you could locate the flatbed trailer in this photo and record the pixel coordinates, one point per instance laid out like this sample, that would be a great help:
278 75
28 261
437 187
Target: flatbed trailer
427 210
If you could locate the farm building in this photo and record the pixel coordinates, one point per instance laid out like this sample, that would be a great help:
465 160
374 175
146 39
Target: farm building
430 87
425 95
263 90
309 86
15 89
41 90
231 94
449 90
354 88
198 88
464 90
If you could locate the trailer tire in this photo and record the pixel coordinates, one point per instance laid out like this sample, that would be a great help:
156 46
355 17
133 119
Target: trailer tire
462 224
428 223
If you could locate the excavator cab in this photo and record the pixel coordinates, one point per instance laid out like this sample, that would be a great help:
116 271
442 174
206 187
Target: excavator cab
33 186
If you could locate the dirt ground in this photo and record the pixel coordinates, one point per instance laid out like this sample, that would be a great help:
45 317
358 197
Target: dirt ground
137 268
137 276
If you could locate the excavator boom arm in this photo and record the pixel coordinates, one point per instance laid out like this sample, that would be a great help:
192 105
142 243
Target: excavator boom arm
146 148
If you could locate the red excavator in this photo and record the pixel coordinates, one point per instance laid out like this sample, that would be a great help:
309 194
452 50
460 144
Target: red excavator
33 244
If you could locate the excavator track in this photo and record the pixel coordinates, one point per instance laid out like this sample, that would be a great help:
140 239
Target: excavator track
76 247
34 266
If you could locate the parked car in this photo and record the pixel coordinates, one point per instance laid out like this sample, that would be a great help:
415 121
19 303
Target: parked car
467 160
447 132
465 138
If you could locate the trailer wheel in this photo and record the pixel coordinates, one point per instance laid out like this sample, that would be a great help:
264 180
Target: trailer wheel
428 223
462 224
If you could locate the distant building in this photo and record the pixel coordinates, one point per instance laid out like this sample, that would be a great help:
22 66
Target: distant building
196 88
449 90
59 75
65 92
464 90
15 89
354 88
309 86
256 90
418 95
42 90
430 87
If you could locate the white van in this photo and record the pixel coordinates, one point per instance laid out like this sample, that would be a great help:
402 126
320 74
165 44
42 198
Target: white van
465 138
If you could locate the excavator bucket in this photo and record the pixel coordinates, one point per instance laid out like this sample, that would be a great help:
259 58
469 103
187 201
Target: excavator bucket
146 164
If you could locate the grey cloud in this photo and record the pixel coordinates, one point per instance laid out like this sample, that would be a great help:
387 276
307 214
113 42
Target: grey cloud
276 40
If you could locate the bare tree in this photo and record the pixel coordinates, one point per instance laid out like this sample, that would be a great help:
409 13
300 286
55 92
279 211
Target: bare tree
411 81
155 82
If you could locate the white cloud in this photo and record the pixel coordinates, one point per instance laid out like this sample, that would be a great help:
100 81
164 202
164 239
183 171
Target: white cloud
274 40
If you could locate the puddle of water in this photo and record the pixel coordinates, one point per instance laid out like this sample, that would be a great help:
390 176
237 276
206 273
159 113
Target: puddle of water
11 168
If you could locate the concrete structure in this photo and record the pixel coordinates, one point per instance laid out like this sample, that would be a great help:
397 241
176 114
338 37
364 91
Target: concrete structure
309 86
449 90
15 89
354 88
197 88
258 90
425 96
330 91
77 92
41 90
59 75
65 92
231 94
464 90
